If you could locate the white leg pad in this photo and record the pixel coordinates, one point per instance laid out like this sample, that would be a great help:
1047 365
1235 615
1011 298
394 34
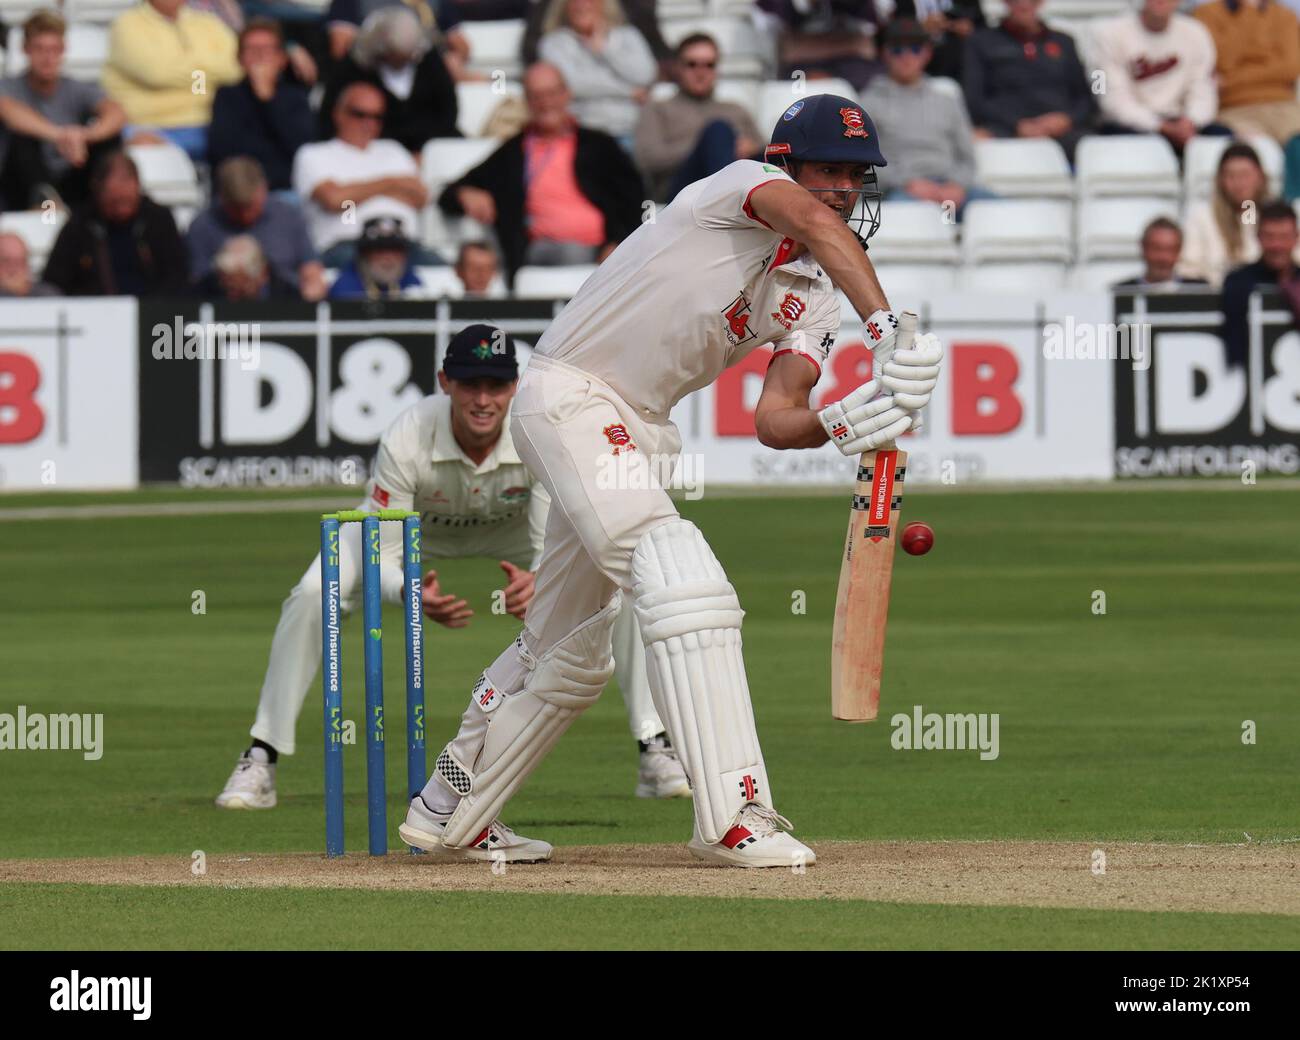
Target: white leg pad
523 727
690 622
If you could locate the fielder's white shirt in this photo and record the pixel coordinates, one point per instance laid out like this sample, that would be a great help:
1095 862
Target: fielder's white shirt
693 293
338 161
495 508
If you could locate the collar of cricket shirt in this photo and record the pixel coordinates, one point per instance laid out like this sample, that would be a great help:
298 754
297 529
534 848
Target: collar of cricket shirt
804 265
447 449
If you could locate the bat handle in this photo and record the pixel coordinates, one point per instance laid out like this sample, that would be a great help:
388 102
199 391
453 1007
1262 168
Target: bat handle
903 341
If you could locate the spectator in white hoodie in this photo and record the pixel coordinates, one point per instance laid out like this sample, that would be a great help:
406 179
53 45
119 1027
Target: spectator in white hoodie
1159 74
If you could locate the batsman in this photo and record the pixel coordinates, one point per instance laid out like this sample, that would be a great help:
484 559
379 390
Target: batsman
748 257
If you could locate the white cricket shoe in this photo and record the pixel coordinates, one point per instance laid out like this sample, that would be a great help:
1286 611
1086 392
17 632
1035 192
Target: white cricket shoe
496 844
251 786
661 774
757 838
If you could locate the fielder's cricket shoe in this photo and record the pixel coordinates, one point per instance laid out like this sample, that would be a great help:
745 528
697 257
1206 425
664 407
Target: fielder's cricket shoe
251 785
661 774
423 829
757 838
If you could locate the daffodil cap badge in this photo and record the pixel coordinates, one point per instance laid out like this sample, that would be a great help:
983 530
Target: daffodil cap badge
478 351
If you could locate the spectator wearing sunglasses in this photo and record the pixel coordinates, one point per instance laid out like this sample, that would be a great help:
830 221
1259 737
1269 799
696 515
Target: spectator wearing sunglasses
691 135
396 53
925 132
950 24
355 176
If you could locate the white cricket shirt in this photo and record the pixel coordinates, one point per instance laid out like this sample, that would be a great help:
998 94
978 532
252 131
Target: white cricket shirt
495 509
692 293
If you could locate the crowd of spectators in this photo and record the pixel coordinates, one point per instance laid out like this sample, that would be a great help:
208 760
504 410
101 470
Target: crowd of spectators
309 129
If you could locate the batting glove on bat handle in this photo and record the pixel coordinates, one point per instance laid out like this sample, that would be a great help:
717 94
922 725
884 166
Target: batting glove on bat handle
863 421
911 374
880 333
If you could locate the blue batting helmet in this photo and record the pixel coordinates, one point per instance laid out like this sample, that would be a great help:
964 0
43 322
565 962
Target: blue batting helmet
830 128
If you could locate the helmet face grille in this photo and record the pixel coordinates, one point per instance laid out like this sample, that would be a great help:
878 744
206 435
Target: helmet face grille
864 219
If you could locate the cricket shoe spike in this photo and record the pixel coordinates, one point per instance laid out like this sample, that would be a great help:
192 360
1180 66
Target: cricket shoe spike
757 838
496 844
661 774
251 786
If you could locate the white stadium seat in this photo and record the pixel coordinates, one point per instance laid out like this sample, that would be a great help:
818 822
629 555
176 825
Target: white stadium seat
687 11
1127 164
910 281
38 232
950 87
915 232
15 12
97 12
445 234
445 159
475 102
167 174
551 282
777 95
1081 9
1101 275
1273 159
1034 167
495 46
1013 279
1014 230
1201 164
743 92
439 282
1111 229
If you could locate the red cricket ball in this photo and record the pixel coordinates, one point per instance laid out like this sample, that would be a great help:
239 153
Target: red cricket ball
917 538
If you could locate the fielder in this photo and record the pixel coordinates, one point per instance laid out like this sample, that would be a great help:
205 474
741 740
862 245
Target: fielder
749 256
452 457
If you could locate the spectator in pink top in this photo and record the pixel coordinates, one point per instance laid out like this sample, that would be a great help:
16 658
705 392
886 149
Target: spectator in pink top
557 193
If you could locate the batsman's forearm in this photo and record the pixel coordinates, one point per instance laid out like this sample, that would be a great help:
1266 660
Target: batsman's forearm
840 253
790 428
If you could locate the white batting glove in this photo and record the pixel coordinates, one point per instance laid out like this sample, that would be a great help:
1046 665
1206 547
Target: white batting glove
912 374
864 420
879 332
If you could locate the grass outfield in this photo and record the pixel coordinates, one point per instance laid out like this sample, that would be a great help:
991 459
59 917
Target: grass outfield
1120 727
128 918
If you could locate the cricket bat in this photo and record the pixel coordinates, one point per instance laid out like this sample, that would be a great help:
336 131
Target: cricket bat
862 603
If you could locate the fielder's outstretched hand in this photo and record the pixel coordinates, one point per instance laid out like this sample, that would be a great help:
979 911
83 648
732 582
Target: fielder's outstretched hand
519 589
446 610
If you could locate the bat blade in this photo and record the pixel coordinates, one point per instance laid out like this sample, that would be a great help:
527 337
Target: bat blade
866 572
